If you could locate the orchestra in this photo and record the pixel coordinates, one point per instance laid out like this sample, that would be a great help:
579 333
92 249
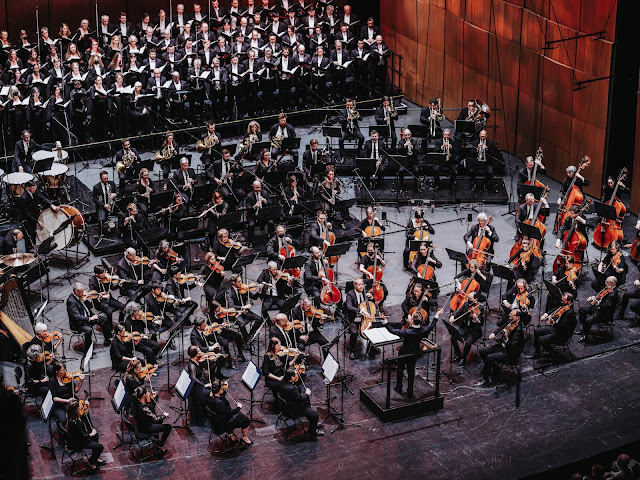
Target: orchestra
238 286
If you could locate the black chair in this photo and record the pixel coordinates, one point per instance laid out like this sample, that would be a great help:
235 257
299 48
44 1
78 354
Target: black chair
290 420
223 433
23 390
141 440
76 456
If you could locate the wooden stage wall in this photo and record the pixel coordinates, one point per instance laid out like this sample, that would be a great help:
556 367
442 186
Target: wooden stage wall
493 50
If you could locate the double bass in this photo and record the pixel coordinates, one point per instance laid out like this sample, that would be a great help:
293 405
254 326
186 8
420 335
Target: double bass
573 195
573 244
330 237
534 180
330 293
607 230
535 244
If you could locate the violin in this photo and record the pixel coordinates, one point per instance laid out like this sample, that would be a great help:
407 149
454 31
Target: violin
114 279
216 266
611 230
596 299
481 244
289 352
251 287
553 317
133 336
48 337
172 256
467 286
227 312
68 376
94 295
511 326
316 313
83 407
294 324
523 301
233 244
215 328
474 311
150 317
142 261
187 278
209 356
148 369
573 195
574 243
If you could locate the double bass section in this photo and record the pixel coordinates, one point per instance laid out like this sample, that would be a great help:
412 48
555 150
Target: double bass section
610 230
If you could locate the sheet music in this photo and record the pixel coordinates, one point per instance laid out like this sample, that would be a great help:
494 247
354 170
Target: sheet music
184 384
330 368
380 335
47 405
87 357
251 375
119 395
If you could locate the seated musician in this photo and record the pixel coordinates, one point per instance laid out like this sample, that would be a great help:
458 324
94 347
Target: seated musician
600 307
580 182
635 304
295 194
482 229
264 165
184 179
319 232
134 223
516 298
314 278
201 384
283 130
169 150
561 323
23 153
255 201
216 208
525 262
131 274
312 321
225 417
411 339
450 149
241 302
417 226
501 352
328 191
252 136
412 300
525 174
62 391
469 319
135 322
429 118
224 335
82 435
350 127
482 161
104 193
128 156
101 283
367 261
227 251
210 276
571 218
172 216
222 173
121 350
81 319
10 241
613 264
354 312
374 150
183 302
423 259
480 276
298 402
134 377
163 320
273 289
371 220
409 148
207 340
32 202
274 364
276 245
144 190
311 157
147 421
565 279
36 378
527 210
467 113
45 341
284 331
609 188
166 262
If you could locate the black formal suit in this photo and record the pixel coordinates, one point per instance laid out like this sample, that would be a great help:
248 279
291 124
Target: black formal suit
24 159
469 329
129 172
118 351
253 215
288 339
129 272
498 354
311 329
236 300
299 404
610 271
158 309
125 30
79 434
485 166
106 305
379 116
529 269
343 116
352 315
30 207
414 162
314 234
9 243
225 417
100 199
149 423
557 334
80 320
312 281
366 35
411 338
272 297
376 151
599 313
179 181
510 296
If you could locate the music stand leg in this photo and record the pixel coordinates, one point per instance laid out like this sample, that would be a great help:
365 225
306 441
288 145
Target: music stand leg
49 448
120 435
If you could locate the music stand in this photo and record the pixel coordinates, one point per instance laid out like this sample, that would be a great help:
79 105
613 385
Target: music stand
290 302
290 144
502 272
188 223
160 199
121 205
42 165
229 220
534 190
86 367
250 379
463 126
457 257
275 178
530 231
244 261
269 213
202 193
414 246
183 388
366 166
455 335
293 262
306 207
332 131
259 146
383 130
345 204
363 242
553 290
117 402
419 131
45 413
337 249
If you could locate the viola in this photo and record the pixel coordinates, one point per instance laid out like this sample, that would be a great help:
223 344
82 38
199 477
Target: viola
288 251
68 376
534 180
467 286
148 369
94 295
215 328
553 318
248 287
50 336
481 245
227 312
216 266
294 324
142 261
611 230
233 244
574 243
316 313
114 279
172 256
596 299
573 195
133 336
187 278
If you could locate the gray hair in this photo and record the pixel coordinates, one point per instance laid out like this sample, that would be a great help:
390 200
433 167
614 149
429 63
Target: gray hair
482 216
272 264
131 308
571 169
40 327
34 351
530 196
78 286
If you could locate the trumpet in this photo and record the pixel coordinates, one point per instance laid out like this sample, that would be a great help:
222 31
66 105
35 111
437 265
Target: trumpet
127 160
211 140
166 153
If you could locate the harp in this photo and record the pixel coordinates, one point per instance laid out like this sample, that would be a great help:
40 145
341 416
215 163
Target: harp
15 316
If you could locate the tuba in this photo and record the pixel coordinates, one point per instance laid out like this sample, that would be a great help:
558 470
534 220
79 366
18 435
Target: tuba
208 142
482 113
126 162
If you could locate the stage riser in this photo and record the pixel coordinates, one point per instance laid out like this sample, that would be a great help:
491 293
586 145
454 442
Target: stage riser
425 401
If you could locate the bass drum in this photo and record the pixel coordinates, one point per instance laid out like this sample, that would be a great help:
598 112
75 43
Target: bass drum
72 232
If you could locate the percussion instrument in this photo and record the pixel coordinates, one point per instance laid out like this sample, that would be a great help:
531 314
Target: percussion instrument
73 229
16 181
18 259
58 156
55 177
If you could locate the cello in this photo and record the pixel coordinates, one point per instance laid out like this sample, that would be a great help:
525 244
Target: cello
574 243
287 251
376 290
420 234
611 230
481 245
534 180
467 286
535 244
418 308
330 293
573 195
425 270
330 237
